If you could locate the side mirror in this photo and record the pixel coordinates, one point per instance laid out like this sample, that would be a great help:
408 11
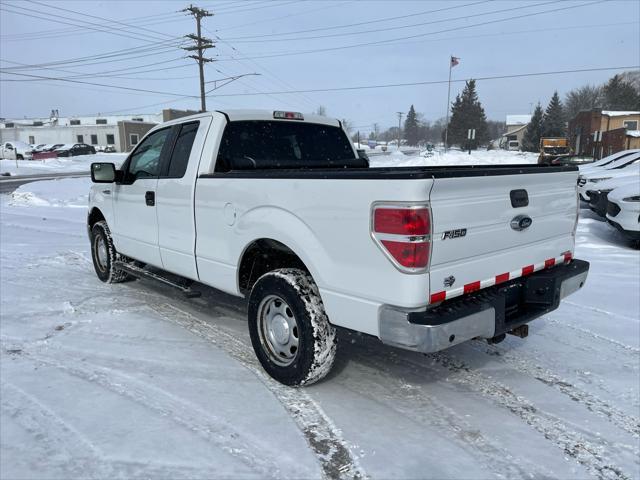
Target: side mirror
103 172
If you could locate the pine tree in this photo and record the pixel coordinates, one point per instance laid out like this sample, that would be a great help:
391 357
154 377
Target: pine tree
467 113
553 123
411 131
531 139
620 95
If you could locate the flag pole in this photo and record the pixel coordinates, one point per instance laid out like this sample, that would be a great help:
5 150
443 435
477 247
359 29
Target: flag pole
446 127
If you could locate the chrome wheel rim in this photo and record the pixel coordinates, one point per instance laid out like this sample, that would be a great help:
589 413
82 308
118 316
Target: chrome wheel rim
278 330
100 252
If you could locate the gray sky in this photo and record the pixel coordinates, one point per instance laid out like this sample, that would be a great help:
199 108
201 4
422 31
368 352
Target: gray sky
584 34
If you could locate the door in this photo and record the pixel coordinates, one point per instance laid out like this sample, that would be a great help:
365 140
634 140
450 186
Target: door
175 199
135 229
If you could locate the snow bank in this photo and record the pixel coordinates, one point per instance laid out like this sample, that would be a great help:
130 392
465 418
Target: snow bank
81 163
65 192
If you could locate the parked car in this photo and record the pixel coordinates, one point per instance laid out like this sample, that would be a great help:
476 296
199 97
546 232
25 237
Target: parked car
74 149
618 168
598 197
15 150
38 148
607 160
623 211
50 147
279 207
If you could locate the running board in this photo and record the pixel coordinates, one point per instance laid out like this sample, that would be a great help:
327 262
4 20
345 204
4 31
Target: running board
138 272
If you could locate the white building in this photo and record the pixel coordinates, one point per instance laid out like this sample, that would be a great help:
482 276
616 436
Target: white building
516 126
119 131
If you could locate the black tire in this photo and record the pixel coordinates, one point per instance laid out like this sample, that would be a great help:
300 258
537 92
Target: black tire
104 260
19 157
314 337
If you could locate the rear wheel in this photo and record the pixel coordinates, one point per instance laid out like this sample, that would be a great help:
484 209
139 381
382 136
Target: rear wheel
104 255
290 332
19 157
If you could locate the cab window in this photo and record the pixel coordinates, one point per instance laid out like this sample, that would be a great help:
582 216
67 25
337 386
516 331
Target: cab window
145 159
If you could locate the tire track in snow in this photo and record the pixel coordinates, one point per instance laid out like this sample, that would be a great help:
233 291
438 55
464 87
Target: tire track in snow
323 437
53 435
417 405
49 429
213 429
591 453
588 334
628 423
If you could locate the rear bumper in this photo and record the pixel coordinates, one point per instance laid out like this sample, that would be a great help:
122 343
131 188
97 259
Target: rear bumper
485 314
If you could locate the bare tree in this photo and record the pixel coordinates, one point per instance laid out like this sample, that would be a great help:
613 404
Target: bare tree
587 97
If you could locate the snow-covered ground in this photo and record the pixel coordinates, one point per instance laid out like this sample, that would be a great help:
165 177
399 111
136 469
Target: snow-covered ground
80 163
135 381
453 157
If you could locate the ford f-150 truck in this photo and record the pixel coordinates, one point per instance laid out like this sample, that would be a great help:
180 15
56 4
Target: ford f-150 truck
16 151
279 207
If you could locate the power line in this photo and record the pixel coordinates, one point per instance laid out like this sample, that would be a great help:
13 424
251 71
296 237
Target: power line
100 28
101 85
105 73
252 9
434 82
409 37
268 72
100 58
378 20
273 19
413 25
71 31
129 26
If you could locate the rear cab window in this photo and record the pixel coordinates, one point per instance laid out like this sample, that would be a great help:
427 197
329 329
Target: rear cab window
263 144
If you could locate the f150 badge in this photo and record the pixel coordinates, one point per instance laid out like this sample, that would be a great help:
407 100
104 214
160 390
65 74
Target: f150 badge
460 232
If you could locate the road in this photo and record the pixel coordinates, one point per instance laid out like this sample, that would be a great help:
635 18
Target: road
9 184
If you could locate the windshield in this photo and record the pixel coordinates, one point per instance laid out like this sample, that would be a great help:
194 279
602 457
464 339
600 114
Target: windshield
556 150
625 163
273 144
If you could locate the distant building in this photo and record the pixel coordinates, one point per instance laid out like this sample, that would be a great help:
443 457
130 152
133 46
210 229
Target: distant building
120 131
619 132
516 125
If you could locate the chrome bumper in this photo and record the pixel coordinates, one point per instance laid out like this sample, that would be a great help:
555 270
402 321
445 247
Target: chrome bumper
484 314
396 330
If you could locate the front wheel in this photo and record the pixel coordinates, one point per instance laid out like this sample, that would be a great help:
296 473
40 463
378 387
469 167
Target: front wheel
104 255
19 157
290 332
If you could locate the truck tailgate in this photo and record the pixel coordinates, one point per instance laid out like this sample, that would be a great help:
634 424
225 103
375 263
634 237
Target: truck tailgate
480 235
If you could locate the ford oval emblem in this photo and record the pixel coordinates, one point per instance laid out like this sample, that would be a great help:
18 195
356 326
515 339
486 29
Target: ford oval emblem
521 222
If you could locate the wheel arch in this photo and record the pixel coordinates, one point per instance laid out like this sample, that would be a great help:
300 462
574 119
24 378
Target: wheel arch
265 255
95 215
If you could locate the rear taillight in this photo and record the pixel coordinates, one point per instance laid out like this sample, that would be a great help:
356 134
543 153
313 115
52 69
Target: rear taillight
404 235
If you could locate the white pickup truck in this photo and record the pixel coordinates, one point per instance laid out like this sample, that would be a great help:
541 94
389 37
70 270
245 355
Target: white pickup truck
16 151
281 208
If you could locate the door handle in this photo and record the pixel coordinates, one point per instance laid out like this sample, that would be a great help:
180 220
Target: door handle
150 198
106 192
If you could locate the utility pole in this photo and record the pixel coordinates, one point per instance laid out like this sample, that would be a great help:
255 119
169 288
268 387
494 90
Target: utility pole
399 127
201 45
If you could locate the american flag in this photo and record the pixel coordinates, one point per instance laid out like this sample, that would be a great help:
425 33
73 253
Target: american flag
455 61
